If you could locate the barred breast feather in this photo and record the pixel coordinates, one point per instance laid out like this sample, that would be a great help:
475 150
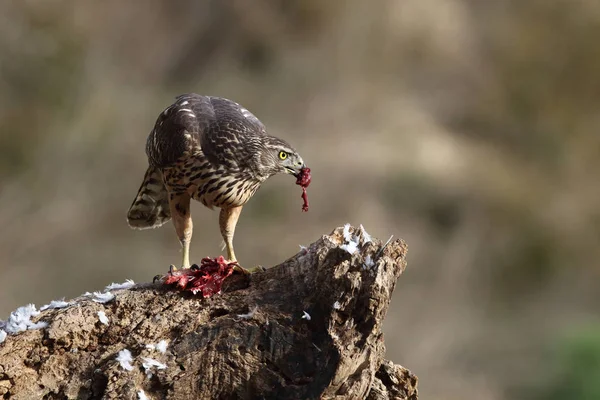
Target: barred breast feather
208 147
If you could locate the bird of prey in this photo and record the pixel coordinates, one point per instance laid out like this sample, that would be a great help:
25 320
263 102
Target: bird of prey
212 150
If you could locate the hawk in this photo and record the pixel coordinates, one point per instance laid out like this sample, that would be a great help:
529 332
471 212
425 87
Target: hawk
212 150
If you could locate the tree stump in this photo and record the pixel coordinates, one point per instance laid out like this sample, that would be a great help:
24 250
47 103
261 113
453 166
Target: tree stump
308 328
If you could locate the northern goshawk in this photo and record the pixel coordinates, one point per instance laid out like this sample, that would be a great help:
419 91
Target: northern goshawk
212 150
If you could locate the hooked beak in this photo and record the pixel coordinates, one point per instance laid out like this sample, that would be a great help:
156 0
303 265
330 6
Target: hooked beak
295 171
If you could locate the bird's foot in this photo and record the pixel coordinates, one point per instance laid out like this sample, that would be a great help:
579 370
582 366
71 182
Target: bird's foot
172 268
239 268
258 268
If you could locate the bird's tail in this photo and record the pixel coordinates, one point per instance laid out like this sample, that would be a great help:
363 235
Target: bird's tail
150 208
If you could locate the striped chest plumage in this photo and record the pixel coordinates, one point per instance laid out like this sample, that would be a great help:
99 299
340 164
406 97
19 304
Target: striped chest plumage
211 186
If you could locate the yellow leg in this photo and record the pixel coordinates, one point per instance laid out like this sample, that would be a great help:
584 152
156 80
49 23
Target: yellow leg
228 219
182 219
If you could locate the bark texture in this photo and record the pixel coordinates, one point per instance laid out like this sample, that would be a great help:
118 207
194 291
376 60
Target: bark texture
308 328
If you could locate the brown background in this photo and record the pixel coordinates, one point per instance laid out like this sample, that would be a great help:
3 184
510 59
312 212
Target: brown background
467 128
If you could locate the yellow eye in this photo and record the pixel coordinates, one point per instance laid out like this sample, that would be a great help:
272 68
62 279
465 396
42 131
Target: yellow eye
283 155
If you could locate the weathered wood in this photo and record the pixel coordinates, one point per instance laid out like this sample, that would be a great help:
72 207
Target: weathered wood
214 350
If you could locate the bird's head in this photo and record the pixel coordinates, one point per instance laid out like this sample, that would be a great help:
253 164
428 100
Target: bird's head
279 157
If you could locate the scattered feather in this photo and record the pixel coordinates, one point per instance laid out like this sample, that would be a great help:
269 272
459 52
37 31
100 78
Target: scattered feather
351 247
351 243
150 363
248 315
369 263
38 325
55 304
117 286
2 335
337 305
142 395
102 317
124 358
20 320
366 237
303 249
384 246
103 297
346 233
306 316
162 346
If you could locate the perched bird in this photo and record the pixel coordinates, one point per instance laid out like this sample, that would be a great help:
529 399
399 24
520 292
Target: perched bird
212 150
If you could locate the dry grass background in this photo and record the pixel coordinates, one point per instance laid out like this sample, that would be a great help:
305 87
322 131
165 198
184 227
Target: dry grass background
468 128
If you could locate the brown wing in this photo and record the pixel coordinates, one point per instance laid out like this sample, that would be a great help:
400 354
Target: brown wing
223 130
177 129
233 137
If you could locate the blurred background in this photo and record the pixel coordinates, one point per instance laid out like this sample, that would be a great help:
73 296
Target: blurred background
468 128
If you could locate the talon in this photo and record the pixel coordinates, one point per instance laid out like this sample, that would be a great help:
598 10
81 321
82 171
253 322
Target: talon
157 278
241 269
195 267
172 268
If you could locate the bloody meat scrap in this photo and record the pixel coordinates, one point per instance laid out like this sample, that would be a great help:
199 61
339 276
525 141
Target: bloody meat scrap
304 180
206 278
